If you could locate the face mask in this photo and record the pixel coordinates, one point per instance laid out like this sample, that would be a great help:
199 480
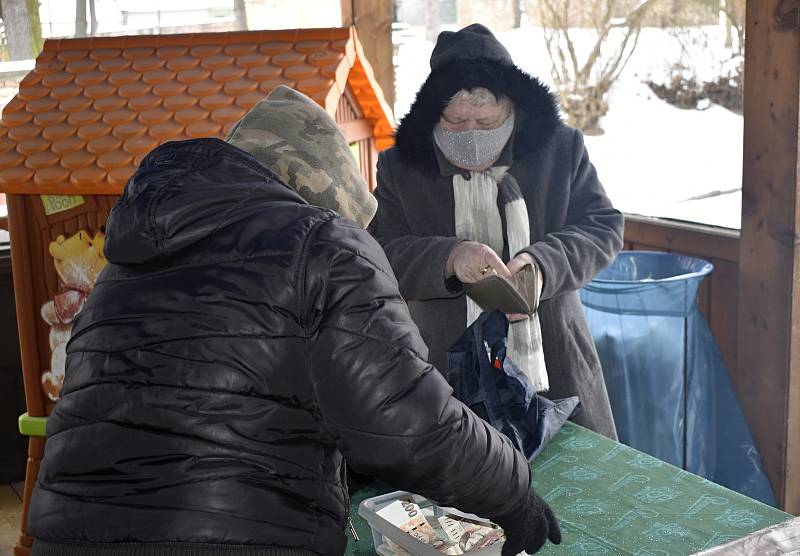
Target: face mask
474 148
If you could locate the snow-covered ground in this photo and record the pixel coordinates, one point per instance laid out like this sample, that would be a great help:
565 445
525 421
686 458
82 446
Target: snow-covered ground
654 159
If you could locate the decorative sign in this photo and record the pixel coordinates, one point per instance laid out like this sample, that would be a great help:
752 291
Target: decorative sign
78 260
53 204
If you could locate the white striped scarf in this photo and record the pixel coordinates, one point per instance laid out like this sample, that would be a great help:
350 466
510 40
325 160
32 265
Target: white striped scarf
479 201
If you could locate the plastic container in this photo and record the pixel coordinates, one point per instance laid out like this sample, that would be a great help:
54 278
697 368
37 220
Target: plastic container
669 389
382 530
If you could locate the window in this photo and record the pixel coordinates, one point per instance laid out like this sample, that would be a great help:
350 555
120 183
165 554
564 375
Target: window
659 99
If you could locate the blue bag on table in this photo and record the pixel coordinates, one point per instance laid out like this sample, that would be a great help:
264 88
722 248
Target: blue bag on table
498 391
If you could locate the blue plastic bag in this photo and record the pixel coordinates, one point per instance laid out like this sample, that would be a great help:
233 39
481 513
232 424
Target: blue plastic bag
669 389
498 391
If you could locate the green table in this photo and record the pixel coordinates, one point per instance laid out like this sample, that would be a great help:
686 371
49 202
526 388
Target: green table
612 499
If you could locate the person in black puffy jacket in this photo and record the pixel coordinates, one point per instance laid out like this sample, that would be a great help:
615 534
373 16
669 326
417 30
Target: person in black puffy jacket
240 343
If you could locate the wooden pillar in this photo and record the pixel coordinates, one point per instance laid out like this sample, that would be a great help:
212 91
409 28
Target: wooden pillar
373 22
35 455
768 381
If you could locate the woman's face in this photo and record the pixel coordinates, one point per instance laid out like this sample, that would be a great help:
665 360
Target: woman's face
463 115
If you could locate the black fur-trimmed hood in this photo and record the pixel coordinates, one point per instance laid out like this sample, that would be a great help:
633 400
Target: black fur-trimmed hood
536 109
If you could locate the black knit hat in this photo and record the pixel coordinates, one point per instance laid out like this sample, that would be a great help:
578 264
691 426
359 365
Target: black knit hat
470 43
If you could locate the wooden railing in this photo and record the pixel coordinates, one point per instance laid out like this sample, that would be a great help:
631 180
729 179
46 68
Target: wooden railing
719 293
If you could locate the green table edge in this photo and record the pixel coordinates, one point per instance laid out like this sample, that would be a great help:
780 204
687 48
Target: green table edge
32 426
365 531
36 427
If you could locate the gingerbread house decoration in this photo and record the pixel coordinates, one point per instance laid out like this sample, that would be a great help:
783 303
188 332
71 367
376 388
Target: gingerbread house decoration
88 113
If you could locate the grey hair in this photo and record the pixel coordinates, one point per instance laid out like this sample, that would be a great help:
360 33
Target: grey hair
476 97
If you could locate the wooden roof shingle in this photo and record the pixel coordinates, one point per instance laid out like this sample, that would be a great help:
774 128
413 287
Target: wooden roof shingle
91 108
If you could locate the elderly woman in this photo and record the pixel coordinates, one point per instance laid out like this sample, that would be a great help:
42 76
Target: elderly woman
484 177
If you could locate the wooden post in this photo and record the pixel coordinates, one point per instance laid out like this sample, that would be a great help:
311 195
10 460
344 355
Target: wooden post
27 312
373 22
768 381
35 455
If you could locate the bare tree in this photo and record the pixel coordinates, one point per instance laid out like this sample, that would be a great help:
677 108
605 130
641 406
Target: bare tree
241 14
432 19
34 25
583 84
688 85
92 18
80 18
733 17
22 27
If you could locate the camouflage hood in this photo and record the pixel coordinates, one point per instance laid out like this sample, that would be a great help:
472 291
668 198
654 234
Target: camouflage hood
298 140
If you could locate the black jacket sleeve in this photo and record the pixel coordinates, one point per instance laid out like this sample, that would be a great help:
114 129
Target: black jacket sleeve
419 261
392 414
591 238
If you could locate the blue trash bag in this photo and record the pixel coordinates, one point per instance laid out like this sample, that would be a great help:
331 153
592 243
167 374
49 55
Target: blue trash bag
499 392
669 389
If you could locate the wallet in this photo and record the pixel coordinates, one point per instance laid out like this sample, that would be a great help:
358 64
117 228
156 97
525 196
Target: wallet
518 294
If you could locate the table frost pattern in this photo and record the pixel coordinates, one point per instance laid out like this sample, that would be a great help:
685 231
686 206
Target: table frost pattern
614 500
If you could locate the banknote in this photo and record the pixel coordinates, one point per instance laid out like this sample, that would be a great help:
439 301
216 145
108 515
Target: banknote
447 533
407 516
470 535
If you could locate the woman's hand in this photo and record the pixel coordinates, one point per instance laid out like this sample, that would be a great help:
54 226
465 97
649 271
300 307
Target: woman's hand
515 265
521 261
470 262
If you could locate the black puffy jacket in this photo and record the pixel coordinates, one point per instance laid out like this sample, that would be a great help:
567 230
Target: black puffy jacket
239 343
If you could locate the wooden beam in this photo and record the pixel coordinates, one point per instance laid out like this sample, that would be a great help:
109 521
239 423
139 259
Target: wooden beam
769 256
356 130
373 22
27 312
708 242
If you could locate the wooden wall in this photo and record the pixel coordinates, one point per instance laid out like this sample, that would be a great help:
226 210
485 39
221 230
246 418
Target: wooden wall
719 292
357 129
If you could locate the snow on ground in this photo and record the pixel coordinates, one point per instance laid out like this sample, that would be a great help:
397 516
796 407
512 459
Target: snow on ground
654 159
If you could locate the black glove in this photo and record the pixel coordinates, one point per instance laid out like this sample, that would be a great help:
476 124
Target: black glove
529 527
